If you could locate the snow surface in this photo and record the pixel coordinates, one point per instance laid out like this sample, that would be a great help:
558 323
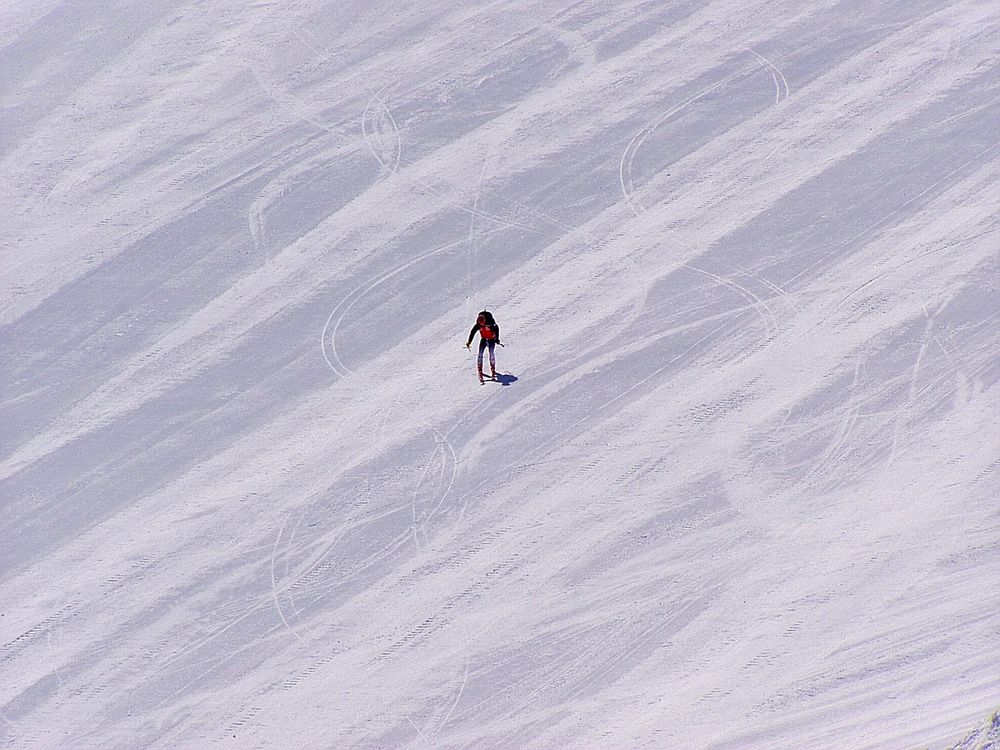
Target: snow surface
738 489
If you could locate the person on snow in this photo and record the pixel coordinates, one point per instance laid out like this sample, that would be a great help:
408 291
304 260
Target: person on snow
489 336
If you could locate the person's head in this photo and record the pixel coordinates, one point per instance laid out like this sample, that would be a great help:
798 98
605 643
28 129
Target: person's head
481 320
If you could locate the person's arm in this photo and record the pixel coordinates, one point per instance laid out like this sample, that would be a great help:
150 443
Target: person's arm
496 327
472 334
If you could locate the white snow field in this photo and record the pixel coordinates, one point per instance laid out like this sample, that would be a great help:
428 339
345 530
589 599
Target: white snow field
738 486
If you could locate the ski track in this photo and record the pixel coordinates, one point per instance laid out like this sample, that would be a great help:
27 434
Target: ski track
744 255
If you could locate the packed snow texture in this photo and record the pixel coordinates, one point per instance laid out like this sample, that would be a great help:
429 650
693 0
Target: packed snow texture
738 487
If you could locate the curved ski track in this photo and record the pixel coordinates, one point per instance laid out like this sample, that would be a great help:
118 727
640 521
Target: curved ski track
737 491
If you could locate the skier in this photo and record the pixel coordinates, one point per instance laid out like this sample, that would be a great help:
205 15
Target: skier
489 336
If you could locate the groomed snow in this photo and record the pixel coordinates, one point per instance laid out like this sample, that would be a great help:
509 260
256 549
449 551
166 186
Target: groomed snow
739 486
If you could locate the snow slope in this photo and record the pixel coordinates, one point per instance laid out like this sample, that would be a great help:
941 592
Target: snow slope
739 488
